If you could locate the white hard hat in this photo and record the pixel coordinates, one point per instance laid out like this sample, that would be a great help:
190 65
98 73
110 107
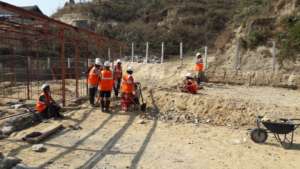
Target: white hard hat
188 75
198 54
119 61
129 68
106 63
44 86
98 61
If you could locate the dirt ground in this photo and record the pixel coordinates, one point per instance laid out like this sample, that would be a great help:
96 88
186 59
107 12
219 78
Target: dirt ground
179 131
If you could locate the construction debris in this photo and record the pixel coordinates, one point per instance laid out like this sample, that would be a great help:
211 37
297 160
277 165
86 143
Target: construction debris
38 148
37 137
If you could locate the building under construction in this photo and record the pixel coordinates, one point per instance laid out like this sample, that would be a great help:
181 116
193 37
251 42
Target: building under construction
35 49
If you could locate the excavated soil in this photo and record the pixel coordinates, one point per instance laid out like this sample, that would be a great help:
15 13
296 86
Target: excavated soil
178 130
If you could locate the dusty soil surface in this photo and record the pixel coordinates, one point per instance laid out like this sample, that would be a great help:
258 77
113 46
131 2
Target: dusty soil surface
118 141
207 130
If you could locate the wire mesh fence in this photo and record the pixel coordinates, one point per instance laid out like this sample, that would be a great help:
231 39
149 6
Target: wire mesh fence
22 78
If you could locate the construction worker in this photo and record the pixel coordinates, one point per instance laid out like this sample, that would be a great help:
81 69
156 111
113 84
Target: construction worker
45 104
106 83
199 68
93 80
118 73
127 90
189 84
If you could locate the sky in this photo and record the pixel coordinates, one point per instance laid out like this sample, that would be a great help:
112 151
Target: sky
47 6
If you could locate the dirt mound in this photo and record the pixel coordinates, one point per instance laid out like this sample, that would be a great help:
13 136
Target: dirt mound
217 104
181 107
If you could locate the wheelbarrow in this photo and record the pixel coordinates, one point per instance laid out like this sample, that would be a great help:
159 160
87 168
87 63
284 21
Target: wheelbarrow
283 130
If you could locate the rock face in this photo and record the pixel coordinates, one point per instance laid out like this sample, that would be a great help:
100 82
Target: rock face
255 78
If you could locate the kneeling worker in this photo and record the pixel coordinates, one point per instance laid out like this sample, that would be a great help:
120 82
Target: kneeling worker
46 106
105 86
189 84
127 90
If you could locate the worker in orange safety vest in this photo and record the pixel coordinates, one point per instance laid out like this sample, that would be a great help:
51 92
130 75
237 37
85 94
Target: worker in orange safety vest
93 80
189 84
118 73
106 83
199 68
46 106
127 89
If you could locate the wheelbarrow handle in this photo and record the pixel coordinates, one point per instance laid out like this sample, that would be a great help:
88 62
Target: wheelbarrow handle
283 119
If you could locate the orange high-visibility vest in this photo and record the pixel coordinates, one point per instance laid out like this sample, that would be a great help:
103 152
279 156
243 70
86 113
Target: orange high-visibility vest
192 86
40 105
93 76
106 81
199 65
128 84
118 72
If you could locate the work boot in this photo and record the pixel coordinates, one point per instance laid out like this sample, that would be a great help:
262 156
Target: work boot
107 105
102 105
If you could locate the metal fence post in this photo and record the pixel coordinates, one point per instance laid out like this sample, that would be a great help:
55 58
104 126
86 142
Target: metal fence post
181 53
147 51
62 62
162 52
69 62
109 56
237 59
205 57
48 63
132 52
77 53
28 76
274 56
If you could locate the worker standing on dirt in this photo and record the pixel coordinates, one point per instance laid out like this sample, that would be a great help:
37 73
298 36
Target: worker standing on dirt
128 89
189 84
118 73
199 68
106 84
46 106
93 80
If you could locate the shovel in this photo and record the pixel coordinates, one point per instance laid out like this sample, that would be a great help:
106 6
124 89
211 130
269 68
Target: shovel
143 105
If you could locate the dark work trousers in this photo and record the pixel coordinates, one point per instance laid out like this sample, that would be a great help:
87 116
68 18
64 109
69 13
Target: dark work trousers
200 77
117 86
92 94
51 111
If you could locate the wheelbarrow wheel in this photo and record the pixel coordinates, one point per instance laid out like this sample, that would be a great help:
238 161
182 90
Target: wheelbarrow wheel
259 135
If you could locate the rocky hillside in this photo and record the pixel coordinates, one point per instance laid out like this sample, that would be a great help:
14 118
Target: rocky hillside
195 22
216 23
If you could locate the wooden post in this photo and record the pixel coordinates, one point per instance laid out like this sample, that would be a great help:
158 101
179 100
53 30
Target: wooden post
274 56
162 52
205 58
147 52
132 52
